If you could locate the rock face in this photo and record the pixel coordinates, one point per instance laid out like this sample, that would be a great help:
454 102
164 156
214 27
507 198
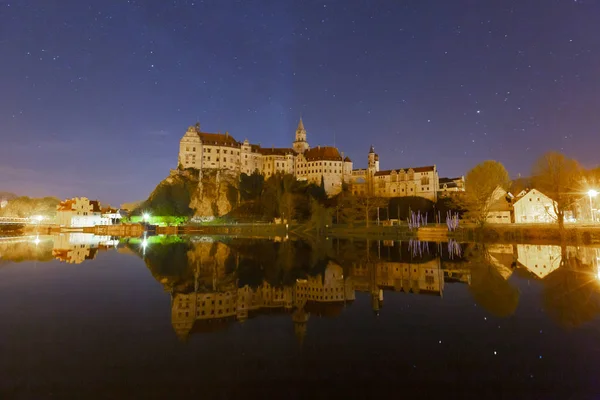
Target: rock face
200 194
215 194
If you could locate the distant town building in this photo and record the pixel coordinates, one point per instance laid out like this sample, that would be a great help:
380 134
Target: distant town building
500 207
533 206
450 185
80 212
402 182
321 164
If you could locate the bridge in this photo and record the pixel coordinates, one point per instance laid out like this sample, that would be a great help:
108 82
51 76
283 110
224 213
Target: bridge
20 221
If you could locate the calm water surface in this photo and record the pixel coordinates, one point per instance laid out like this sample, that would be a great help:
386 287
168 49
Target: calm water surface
188 317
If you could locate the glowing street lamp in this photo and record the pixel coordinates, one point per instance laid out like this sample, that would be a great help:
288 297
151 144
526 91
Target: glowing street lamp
146 217
592 193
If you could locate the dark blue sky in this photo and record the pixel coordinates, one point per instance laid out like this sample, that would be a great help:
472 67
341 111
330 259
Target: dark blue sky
95 95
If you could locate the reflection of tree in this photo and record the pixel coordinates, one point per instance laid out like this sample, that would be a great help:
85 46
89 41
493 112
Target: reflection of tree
489 289
571 293
168 262
25 250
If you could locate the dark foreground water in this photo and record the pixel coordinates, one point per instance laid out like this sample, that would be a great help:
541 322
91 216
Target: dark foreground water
90 317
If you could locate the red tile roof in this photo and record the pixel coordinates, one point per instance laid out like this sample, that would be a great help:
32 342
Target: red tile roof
323 153
218 139
65 205
275 151
95 205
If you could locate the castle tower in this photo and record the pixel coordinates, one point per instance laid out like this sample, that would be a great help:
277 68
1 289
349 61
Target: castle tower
300 144
373 160
300 318
373 167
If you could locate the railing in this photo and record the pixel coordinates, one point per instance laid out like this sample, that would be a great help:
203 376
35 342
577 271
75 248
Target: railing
15 220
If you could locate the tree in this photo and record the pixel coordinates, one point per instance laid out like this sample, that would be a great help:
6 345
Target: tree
488 287
251 186
480 187
559 178
320 216
571 292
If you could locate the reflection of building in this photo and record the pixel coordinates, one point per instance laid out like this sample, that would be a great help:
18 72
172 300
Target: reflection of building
75 248
81 212
532 206
421 181
325 294
425 278
201 311
540 260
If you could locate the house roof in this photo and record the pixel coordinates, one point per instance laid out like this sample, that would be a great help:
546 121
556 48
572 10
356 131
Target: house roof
218 139
95 205
65 205
450 180
347 159
323 153
275 151
417 169
525 192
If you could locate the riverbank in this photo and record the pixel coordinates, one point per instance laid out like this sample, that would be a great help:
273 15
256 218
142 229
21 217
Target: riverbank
522 234
509 233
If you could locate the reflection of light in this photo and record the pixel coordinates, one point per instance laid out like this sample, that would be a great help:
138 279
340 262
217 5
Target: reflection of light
144 243
592 193
598 274
36 241
146 217
38 218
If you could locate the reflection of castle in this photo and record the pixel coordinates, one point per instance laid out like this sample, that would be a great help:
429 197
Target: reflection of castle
325 295
198 311
75 248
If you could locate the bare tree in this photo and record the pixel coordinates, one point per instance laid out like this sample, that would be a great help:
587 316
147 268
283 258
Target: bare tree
558 177
368 204
481 186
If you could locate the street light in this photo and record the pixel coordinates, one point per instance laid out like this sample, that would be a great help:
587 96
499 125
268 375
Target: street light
146 217
592 193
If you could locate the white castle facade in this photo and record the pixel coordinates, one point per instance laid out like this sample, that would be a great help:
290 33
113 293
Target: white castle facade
204 151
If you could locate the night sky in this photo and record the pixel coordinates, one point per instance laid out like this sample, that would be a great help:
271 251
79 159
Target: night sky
95 95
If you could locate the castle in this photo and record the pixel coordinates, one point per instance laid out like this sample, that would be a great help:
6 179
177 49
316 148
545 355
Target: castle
204 151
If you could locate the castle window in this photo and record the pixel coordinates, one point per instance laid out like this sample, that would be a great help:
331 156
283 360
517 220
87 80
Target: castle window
193 148
224 159
224 151
218 151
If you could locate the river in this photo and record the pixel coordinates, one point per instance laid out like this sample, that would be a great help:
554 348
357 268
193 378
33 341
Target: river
88 316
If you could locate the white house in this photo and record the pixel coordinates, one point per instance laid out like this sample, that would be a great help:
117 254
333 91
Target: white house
499 207
533 206
80 212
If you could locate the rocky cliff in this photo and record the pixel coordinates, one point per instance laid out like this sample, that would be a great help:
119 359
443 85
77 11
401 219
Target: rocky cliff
193 194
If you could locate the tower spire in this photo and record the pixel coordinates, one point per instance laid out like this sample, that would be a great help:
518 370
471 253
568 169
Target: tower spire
300 125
